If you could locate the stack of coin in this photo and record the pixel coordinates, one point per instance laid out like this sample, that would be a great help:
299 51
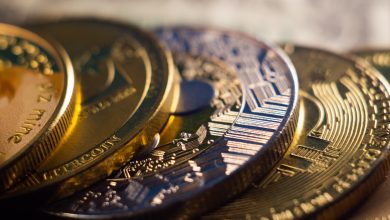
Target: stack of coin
102 119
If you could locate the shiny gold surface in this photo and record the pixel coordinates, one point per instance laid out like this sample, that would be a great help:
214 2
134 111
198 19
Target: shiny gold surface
36 89
377 206
125 77
378 58
116 99
203 158
340 152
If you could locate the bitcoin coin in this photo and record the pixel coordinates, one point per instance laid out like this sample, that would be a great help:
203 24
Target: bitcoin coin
36 88
380 59
125 79
340 150
209 152
377 206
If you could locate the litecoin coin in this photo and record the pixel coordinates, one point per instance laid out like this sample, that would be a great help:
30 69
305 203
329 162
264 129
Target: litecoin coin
36 106
234 121
125 78
340 151
377 206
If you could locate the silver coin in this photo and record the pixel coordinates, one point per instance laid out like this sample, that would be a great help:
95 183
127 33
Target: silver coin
220 147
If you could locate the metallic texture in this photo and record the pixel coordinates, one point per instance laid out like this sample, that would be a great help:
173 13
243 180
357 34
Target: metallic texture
378 58
125 79
340 150
187 136
210 155
37 90
377 206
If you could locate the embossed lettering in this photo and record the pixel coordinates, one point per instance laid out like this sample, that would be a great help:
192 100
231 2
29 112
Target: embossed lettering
44 92
27 126
104 104
85 158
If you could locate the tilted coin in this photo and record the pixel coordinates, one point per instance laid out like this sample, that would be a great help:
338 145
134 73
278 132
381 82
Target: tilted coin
377 206
126 76
339 154
235 121
37 85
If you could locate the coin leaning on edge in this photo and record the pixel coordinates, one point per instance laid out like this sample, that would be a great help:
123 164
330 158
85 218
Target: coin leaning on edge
37 99
340 152
126 88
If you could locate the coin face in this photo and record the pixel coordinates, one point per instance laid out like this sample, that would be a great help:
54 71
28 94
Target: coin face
377 206
125 77
208 153
36 105
380 59
196 125
339 153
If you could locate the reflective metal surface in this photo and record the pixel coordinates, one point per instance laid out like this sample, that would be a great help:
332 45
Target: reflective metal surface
340 151
377 205
36 89
125 78
208 155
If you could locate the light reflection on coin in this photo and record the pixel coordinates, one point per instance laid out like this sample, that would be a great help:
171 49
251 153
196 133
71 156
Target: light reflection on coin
36 105
125 78
341 148
211 154
377 206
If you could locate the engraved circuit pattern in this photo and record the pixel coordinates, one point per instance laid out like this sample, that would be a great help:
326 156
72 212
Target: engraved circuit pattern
214 122
377 205
270 97
344 138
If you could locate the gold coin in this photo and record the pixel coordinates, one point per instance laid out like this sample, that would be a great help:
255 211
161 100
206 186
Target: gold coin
377 206
236 117
125 78
380 59
36 104
340 151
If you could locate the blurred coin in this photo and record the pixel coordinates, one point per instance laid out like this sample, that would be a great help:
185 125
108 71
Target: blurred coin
340 151
125 78
377 206
234 125
380 59
36 105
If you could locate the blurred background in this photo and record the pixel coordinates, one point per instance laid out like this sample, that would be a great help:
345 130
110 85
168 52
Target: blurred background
334 24
338 25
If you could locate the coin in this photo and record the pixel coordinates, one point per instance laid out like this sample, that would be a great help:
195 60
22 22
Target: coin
339 153
36 88
208 154
377 206
126 76
378 58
